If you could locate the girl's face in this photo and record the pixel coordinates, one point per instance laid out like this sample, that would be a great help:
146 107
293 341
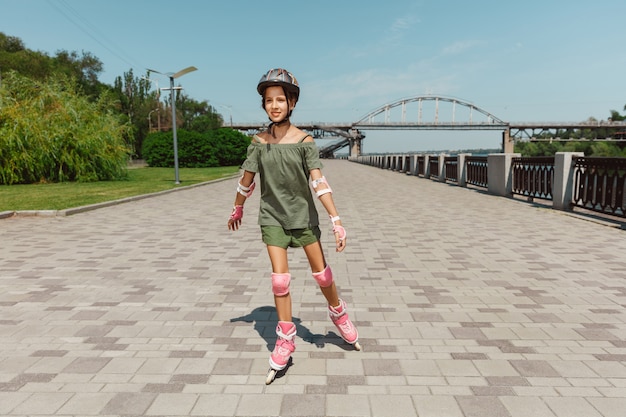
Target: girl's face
276 104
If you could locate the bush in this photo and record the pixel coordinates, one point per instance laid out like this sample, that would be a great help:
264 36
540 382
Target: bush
231 146
589 148
51 133
218 147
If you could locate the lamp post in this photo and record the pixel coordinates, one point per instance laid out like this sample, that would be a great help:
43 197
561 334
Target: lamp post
173 76
150 120
158 92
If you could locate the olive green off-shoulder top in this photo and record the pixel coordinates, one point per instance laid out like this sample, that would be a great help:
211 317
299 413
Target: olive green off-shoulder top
286 198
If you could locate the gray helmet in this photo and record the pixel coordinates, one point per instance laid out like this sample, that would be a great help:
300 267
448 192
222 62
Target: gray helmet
280 77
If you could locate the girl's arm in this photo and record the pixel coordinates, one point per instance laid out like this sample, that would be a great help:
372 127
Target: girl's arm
324 193
244 190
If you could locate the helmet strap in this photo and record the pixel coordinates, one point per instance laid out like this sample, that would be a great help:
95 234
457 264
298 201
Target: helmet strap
273 125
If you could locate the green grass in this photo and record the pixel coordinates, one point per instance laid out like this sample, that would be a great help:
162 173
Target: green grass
60 196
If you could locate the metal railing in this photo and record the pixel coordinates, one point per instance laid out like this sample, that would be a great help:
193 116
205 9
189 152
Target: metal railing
477 171
433 164
451 170
567 179
533 176
599 184
421 169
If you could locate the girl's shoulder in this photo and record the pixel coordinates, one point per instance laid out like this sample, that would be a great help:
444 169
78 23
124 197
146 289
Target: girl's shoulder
305 138
300 136
297 136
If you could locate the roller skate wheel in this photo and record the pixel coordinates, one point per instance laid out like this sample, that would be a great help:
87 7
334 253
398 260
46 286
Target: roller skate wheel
271 375
357 346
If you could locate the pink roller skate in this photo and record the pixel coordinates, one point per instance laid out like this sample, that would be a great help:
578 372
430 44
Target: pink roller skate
285 346
339 316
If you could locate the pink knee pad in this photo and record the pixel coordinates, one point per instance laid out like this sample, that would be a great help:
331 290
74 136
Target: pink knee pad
324 278
280 283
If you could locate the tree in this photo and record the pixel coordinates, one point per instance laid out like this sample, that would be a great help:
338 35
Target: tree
195 116
83 69
136 102
50 132
29 63
11 43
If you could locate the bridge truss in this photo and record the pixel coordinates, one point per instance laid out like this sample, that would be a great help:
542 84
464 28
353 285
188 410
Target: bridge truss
446 113
566 132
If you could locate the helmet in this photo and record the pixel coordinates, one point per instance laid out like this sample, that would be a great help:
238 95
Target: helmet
280 77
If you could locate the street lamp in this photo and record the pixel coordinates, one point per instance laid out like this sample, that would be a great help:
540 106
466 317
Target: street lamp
172 76
158 97
150 120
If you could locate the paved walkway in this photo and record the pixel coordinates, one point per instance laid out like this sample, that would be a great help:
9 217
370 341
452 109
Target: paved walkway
468 305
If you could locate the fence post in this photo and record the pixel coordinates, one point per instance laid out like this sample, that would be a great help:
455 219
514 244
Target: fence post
412 165
427 166
499 174
442 167
563 184
462 169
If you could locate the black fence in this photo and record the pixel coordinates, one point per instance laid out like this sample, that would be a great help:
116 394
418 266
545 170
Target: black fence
451 171
592 183
477 169
533 176
599 184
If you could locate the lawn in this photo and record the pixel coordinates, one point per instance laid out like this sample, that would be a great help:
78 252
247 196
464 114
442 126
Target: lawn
60 196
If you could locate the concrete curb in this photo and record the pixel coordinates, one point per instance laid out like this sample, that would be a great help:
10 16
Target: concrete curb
83 209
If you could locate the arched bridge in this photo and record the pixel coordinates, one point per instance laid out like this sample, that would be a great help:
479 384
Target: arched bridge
444 113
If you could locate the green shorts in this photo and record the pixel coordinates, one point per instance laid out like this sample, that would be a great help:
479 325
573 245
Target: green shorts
295 238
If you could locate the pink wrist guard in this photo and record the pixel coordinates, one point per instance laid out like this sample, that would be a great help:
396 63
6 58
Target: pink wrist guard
340 230
237 213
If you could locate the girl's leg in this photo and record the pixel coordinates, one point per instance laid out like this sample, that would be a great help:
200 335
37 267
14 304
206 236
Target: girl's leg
286 329
336 307
278 258
315 255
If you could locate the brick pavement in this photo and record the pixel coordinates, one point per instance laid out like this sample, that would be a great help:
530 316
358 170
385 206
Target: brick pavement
467 304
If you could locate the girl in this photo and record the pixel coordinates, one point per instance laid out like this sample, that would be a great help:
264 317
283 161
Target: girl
287 161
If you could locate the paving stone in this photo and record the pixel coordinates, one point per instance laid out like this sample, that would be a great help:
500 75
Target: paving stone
168 404
467 305
401 405
129 403
571 407
86 403
436 406
526 407
482 406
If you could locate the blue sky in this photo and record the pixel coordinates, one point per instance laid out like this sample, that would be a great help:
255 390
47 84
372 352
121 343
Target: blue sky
537 60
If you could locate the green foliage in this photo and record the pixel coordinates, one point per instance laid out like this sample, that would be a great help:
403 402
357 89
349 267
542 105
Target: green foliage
589 148
51 133
146 112
217 147
231 146
616 117
82 69
136 104
158 149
